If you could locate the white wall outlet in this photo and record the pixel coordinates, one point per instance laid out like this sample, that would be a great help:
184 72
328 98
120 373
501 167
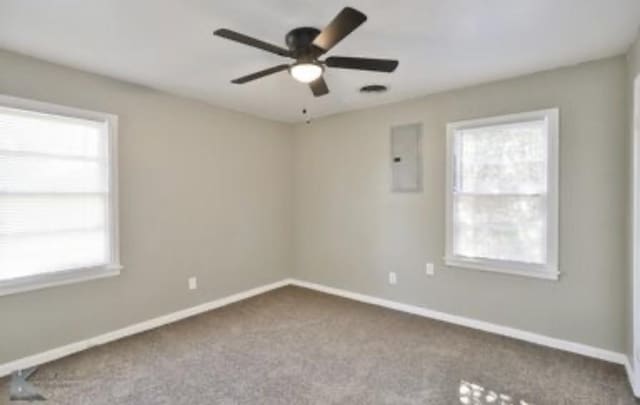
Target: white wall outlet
193 283
429 269
393 278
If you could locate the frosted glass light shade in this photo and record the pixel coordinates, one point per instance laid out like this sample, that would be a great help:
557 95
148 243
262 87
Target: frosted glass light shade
306 72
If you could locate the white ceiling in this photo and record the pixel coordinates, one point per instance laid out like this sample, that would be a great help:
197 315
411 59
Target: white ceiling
441 44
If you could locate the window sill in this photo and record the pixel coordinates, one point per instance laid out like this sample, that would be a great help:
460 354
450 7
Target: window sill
512 268
40 281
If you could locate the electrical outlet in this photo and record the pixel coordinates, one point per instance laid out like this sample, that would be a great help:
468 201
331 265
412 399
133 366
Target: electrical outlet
193 283
393 279
429 269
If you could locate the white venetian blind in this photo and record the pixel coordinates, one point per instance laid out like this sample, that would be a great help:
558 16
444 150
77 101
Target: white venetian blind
500 192
54 193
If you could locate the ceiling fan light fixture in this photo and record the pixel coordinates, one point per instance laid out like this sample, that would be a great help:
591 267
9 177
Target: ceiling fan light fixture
306 72
305 45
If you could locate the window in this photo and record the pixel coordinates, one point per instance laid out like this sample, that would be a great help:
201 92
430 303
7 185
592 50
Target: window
502 194
58 211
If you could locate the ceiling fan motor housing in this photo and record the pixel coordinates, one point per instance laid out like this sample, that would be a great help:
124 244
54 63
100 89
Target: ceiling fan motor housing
299 41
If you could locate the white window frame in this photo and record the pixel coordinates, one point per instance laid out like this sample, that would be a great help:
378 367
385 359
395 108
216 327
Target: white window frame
74 275
549 270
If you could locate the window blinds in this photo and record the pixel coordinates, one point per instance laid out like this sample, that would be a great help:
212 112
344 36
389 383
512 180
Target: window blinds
54 193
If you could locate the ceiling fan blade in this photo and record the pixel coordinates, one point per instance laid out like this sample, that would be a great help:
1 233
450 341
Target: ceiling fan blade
262 73
377 65
256 43
319 87
342 25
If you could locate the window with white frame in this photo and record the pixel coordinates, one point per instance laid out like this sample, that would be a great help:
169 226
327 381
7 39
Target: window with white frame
502 194
58 210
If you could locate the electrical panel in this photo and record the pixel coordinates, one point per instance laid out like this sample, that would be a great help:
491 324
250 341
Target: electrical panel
406 161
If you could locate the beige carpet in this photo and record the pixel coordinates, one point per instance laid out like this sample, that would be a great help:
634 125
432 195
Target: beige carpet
294 346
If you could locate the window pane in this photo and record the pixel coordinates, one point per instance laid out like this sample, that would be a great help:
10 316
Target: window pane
500 228
51 213
508 158
26 131
34 254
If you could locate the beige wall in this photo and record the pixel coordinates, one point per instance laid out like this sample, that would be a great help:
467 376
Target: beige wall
350 230
633 58
203 192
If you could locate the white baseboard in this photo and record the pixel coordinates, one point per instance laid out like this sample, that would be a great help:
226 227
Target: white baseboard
57 353
519 334
632 378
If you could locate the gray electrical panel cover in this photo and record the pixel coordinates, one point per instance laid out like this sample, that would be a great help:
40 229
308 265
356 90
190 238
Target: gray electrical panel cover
406 162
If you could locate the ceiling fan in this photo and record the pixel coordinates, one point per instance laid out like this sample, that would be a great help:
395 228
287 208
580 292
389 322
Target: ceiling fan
306 44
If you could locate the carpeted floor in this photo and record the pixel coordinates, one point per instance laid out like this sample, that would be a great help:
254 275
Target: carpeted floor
294 346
